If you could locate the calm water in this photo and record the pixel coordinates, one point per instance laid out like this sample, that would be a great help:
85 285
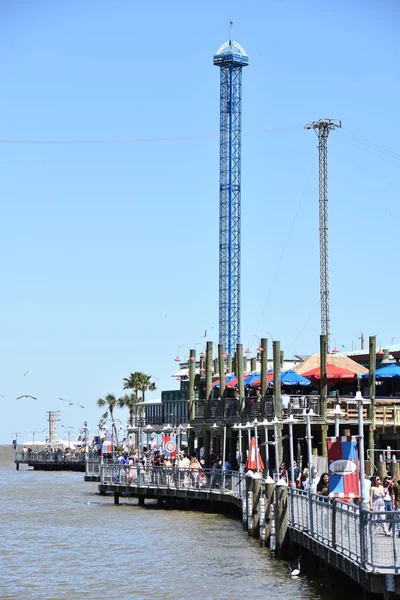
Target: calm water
59 539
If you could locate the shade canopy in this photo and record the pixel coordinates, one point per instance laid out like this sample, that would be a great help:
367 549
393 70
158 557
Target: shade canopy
332 372
390 371
291 378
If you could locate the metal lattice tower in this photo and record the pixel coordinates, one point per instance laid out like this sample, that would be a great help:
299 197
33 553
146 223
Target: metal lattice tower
322 128
230 58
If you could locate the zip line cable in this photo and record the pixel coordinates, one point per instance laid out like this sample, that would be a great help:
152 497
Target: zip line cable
304 326
368 142
287 240
383 155
365 169
139 140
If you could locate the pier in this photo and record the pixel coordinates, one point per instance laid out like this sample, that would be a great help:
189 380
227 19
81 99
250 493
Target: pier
48 461
343 537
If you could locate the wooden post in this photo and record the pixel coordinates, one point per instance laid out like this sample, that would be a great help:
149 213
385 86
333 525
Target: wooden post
323 391
269 499
281 519
277 400
141 501
221 371
253 364
192 398
116 498
229 363
239 361
245 364
371 407
381 466
264 366
256 503
209 358
249 504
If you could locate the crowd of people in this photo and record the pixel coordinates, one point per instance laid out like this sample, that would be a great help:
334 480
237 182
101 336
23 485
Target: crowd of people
154 466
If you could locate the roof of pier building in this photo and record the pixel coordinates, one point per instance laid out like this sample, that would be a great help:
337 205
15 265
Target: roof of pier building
339 360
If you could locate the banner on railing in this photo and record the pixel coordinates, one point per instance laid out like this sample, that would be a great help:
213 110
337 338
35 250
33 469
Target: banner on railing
169 445
344 480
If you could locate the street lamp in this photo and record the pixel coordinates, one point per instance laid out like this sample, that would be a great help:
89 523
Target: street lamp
69 429
239 428
337 413
177 358
147 429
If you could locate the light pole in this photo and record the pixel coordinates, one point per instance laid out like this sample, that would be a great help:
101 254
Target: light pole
290 422
147 429
275 422
361 402
69 429
255 423
33 433
337 413
239 429
266 424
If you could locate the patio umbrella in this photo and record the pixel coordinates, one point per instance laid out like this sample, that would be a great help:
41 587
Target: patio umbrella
257 382
251 463
332 372
217 384
390 371
291 378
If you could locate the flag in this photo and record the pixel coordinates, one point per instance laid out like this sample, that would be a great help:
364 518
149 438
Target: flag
169 445
344 480
251 463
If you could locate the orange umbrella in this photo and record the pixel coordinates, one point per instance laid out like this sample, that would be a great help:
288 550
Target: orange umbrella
251 463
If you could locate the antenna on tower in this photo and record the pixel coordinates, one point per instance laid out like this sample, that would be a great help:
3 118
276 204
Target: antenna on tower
322 128
231 35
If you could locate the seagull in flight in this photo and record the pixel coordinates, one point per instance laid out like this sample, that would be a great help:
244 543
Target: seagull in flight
27 373
71 403
26 396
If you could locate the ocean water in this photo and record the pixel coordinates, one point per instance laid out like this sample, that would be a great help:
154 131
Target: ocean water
60 539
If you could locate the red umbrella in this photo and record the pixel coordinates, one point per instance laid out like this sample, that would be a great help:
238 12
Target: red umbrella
257 382
251 463
332 372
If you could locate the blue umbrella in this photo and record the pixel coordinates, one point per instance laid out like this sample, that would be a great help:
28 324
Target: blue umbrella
291 378
390 371
251 378
227 380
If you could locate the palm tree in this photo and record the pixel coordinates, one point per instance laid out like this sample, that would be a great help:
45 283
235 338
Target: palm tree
138 382
147 385
111 402
129 400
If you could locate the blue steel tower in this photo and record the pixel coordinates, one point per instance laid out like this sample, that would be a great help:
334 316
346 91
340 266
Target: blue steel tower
230 58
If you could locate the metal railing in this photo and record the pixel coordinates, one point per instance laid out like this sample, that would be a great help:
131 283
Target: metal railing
48 457
231 410
369 539
230 482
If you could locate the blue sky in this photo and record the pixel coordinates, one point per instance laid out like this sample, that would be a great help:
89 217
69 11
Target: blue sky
110 250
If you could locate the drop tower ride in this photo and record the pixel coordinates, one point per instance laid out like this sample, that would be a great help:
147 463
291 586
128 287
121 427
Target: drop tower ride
230 58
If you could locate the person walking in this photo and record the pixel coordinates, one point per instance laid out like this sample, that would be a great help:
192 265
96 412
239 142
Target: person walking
376 503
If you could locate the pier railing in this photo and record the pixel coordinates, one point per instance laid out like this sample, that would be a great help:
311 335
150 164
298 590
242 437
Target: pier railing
369 539
230 482
48 457
231 410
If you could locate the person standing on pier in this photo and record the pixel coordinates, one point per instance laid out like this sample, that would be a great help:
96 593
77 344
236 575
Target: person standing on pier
376 502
